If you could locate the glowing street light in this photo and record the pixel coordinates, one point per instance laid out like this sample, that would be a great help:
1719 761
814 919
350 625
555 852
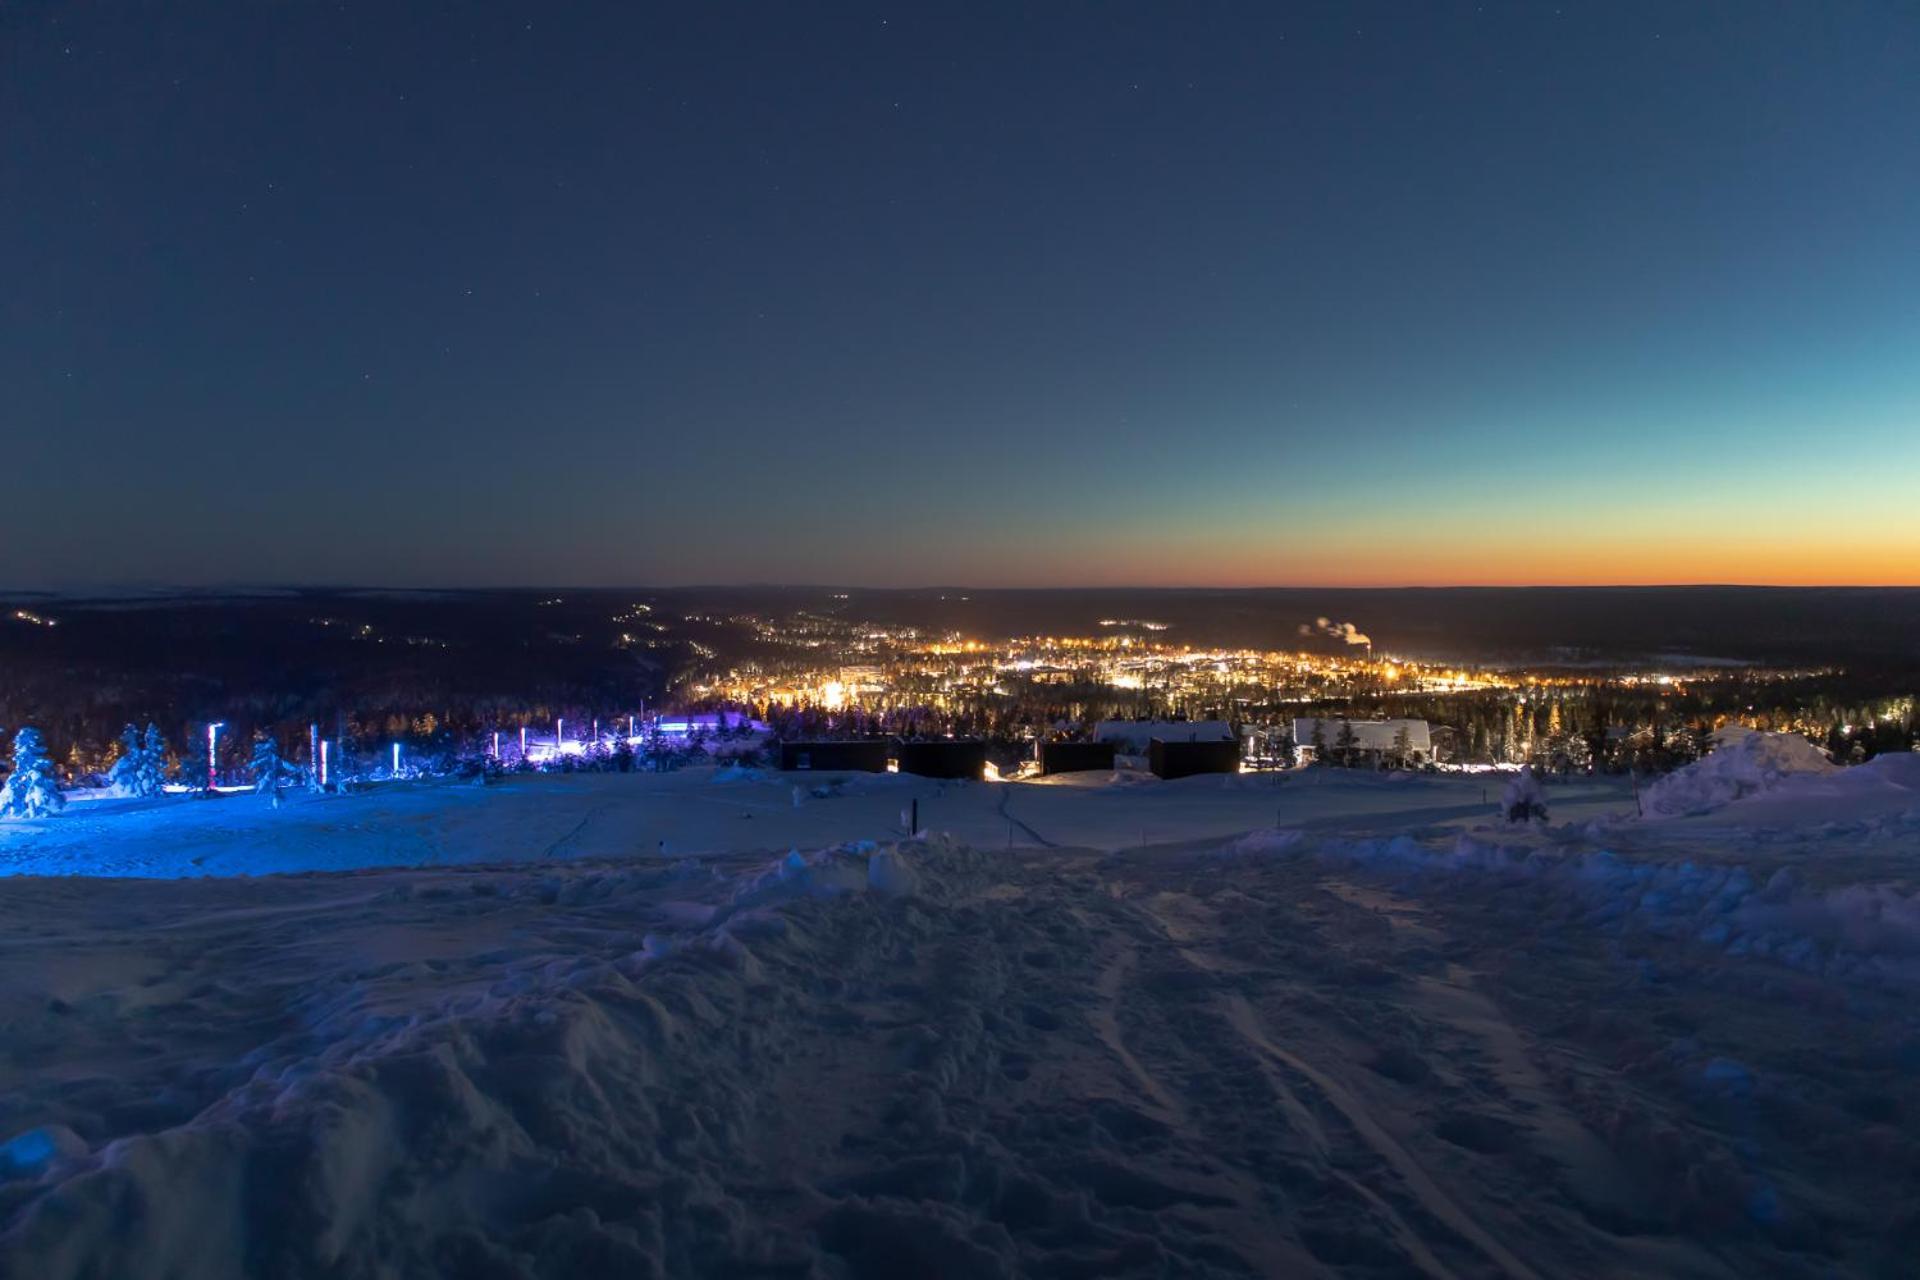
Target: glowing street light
324 745
396 759
523 742
213 737
496 744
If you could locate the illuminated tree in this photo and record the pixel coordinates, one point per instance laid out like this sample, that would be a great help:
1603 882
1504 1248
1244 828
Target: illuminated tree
32 790
191 770
266 764
141 769
155 764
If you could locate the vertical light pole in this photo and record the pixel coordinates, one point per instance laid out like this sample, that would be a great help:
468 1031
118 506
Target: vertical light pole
396 759
213 737
313 749
630 722
324 744
523 742
560 737
496 744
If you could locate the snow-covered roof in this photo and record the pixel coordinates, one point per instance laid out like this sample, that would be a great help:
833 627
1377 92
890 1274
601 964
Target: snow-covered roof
1136 735
1369 735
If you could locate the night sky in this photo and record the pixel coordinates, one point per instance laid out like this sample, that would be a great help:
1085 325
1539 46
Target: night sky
1055 294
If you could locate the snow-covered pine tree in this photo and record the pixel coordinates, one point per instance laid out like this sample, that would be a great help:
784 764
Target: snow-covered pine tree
1523 800
32 790
125 773
152 777
1346 742
1402 746
265 763
191 772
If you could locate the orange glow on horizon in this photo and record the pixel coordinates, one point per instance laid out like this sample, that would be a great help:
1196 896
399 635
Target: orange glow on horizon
1679 560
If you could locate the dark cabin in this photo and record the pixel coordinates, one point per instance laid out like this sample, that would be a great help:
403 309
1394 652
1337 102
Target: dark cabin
1184 759
943 758
1075 757
862 756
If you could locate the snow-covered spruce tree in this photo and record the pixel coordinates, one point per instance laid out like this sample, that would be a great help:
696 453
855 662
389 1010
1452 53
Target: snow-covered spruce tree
126 766
1523 800
265 764
152 779
1402 746
141 769
32 790
191 771
1345 743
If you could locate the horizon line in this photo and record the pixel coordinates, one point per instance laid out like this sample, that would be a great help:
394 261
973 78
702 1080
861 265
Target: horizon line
165 590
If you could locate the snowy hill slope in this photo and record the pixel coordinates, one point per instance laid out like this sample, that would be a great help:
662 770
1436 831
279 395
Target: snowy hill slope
1311 1057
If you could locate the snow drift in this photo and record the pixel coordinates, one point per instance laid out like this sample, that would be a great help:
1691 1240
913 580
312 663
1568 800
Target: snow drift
1744 762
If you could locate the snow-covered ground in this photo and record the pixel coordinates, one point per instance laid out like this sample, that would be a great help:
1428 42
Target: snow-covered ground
546 817
1324 1024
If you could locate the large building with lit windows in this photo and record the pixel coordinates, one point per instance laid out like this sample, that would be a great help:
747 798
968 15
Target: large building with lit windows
1373 740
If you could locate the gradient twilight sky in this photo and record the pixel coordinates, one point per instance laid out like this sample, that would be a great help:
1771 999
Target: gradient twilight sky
1111 293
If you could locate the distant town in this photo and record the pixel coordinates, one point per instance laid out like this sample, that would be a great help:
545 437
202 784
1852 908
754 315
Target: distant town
398 684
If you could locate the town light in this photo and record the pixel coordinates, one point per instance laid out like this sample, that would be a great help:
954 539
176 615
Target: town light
324 744
396 759
213 737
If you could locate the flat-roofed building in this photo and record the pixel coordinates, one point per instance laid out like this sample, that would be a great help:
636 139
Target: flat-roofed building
1402 741
943 758
1133 737
1183 759
1075 757
866 755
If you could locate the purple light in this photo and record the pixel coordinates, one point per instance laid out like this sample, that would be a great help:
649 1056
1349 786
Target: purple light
324 744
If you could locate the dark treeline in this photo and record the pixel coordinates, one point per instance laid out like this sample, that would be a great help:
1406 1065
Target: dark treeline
368 668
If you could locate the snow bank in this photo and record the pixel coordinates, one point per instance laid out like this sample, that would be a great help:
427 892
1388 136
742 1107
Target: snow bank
1744 762
1855 932
581 1106
737 772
